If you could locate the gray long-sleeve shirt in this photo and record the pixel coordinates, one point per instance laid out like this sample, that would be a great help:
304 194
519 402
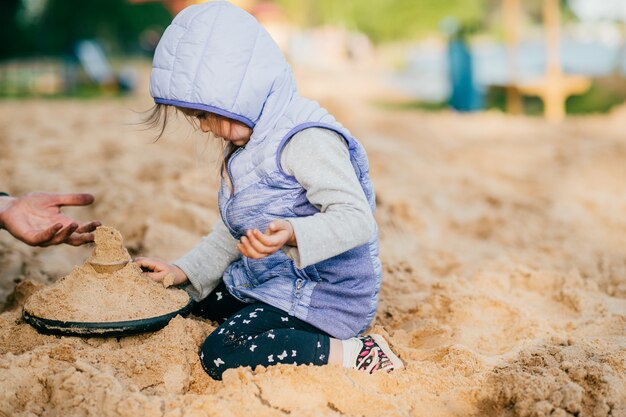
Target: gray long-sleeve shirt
320 161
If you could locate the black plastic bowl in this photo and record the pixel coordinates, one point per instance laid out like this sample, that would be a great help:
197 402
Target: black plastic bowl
90 329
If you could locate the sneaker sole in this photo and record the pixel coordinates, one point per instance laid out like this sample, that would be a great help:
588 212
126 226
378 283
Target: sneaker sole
382 343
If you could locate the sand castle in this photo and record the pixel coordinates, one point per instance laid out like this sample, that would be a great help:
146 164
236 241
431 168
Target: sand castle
88 294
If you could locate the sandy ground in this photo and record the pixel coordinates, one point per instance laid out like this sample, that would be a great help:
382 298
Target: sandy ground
504 249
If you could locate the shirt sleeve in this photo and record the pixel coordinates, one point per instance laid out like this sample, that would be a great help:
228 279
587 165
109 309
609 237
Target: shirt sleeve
205 264
320 161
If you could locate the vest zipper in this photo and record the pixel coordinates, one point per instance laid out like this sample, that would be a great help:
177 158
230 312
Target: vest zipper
299 283
297 295
232 191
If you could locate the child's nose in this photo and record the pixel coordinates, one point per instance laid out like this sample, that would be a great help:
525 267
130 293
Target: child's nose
204 125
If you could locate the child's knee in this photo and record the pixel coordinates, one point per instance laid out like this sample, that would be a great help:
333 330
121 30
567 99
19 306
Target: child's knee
214 356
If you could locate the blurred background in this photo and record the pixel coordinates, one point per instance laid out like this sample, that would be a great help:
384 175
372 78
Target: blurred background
538 57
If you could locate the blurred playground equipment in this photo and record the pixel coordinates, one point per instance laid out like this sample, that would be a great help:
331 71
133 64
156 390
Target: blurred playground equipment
578 64
41 76
554 87
46 76
94 62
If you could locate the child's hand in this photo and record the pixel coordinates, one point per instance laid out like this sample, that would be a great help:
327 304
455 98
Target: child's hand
158 270
258 245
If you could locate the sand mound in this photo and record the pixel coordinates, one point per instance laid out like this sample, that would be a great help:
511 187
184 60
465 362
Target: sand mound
568 379
81 377
86 295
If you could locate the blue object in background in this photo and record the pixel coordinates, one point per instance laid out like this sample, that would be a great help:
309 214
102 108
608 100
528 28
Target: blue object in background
464 94
93 60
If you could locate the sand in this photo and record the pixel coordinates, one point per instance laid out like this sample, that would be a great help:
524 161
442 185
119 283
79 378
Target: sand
504 249
168 280
85 295
109 247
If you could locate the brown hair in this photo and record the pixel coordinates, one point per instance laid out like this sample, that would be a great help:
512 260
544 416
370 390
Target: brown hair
158 117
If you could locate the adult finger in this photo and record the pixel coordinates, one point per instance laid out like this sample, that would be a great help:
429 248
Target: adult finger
88 227
73 199
78 239
63 234
44 237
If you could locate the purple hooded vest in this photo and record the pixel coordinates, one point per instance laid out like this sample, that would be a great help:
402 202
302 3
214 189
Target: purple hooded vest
218 58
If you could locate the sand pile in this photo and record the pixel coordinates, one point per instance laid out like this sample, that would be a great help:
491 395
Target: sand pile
565 379
109 247
503 242
88 296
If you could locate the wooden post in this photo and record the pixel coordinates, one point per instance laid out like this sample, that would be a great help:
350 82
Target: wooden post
511 11
554 87
554 100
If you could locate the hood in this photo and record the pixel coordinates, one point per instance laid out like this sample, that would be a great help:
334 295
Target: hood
217 57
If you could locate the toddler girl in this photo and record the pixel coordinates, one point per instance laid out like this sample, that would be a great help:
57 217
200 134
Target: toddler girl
291 272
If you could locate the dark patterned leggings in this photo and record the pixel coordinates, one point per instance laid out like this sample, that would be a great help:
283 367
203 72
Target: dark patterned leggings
256 334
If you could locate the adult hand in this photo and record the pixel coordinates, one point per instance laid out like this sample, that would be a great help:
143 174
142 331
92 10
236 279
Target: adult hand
36 219
157 270
258 245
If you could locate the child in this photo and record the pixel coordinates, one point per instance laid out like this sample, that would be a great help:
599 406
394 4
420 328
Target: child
292 270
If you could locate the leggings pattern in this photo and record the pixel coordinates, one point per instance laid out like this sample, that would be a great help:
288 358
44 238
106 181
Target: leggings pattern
256 334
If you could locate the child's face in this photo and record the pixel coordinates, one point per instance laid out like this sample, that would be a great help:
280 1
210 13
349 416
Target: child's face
228 129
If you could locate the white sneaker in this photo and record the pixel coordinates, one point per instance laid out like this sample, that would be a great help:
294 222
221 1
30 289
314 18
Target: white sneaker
376 355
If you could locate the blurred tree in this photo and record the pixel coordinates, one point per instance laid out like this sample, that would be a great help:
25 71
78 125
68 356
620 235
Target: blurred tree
11 31
116 23
384 20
